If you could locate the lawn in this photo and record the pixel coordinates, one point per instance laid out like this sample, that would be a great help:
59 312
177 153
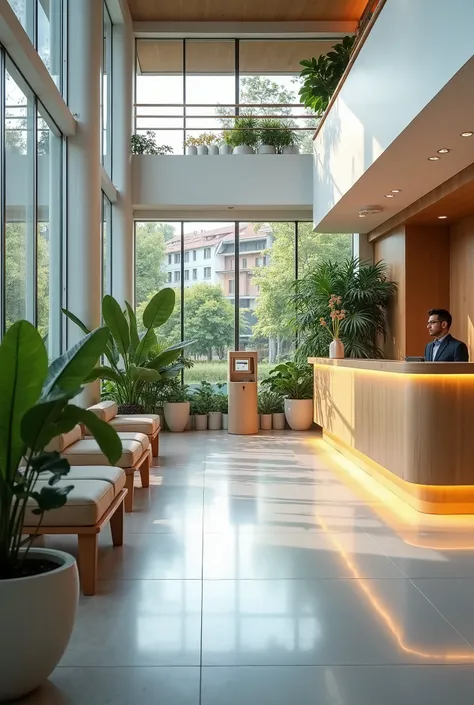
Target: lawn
216 372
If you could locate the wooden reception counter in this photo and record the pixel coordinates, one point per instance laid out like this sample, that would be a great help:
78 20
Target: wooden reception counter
410 424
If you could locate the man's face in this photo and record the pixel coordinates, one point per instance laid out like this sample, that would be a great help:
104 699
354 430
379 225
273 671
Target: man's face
436 328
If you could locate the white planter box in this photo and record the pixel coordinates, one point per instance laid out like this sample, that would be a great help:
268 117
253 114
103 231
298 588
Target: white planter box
266 422
191 151
176 415
243 149
266 149
299 413
215 421
278 422
200 422
202 149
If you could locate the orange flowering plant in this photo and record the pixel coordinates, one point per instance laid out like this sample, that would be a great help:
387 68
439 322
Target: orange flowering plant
336 315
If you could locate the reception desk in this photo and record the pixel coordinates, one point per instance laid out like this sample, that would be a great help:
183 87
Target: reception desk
410 424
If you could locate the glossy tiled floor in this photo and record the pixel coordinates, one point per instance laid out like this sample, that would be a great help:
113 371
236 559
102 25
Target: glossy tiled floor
257 570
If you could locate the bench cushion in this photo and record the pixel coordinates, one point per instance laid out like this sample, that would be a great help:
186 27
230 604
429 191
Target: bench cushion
87 452
64 440
115 476
86 504
140 437
105 410
149 423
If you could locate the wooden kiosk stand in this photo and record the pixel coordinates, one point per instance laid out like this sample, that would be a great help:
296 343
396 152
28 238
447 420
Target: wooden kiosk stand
242 392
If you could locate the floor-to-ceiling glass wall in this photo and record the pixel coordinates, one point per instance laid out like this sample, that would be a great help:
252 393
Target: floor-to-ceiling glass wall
192 91
106 91
106 245
233 284
32 213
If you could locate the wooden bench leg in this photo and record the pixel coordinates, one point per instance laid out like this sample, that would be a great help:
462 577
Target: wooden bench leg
116 525
145 471
88 544
130 485
155 445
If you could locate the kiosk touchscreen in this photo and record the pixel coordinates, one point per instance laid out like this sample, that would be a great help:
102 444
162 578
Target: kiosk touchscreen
242 392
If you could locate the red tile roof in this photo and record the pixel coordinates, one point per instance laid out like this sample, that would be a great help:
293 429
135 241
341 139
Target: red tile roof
210 238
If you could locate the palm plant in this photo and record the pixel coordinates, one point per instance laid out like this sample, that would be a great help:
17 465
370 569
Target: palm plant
321 76
131 366
364 290
35 409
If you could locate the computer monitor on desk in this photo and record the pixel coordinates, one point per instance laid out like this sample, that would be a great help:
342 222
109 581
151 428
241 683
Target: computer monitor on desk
414 358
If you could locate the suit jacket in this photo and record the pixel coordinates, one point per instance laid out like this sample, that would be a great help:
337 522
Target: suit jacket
450 350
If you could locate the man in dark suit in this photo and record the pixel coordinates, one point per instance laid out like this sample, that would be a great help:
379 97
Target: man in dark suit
444 347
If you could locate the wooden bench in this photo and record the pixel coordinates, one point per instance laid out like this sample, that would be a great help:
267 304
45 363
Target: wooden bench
149 424
97 498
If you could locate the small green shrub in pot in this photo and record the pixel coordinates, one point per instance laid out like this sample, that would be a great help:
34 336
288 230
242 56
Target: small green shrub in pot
244 136
266 403
269 136
202 400
295 383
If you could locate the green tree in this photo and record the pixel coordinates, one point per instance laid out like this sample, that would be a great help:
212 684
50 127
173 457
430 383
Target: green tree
209 320
274 311
150 249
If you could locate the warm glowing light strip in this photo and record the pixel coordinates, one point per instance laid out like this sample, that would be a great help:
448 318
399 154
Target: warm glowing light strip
377 604
467 377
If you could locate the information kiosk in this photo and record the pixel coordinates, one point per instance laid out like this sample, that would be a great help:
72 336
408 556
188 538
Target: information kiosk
242 392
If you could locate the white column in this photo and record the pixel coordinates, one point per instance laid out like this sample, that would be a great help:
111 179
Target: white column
122 214
84 193
363 249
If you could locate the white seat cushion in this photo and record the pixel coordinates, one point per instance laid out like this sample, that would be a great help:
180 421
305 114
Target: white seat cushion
86 504
115 476
87 452
105 410
149 423
125 436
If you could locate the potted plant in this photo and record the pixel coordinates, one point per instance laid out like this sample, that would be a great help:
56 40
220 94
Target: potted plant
278 415
191 145
269 136
130 367
146 144
244 136
221 403
265 408
201 404
213 143
295 383
226 146
288 141
176 407
39 587
215 414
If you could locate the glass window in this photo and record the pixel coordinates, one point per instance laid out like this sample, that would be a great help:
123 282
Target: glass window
25 11
314 247
152 239
264 292
207 253
209 313
170 259
194 255
244 263
106 92
177 258
186 256
49 44
106 245
177 276
186 275
20 236
49 230
231 286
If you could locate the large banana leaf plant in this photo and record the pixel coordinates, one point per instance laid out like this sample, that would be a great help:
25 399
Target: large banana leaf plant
34 408
130 365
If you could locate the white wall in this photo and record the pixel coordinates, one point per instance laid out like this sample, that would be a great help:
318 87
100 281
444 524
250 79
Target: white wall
242 181
413 50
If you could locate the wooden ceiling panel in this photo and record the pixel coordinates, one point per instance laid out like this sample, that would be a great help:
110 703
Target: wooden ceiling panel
456 205
246 10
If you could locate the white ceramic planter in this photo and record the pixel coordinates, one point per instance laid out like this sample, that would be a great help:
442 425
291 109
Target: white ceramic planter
202 149
225 149
37 616
243 149
299 413
225 422
266 149
336 350
191 151
293 149
266 422
215 421
200 422
176 415
213 149
278 422
189 424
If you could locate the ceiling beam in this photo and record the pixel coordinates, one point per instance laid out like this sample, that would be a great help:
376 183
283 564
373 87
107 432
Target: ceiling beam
245 30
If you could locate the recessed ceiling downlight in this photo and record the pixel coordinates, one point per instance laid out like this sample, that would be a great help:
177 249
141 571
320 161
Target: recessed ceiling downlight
389 195
442 217
396 190
369 210
433 159
467 134
443 150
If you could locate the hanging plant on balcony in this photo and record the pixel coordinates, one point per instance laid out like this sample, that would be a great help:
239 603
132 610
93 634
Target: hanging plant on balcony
321 76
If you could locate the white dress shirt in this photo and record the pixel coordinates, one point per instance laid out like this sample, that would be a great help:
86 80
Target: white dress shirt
436 345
